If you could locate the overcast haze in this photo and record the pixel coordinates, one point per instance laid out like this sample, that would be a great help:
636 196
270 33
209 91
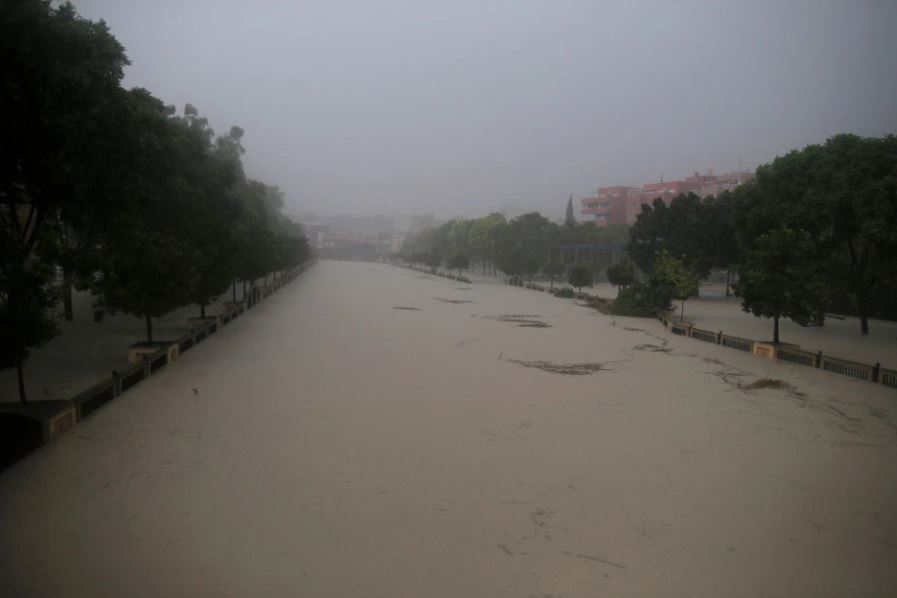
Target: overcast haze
461 108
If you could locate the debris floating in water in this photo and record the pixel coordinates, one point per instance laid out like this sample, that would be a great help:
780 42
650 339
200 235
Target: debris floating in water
522 320
569 369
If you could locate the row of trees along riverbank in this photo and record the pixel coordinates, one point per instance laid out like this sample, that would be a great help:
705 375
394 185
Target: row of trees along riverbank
523 246
814 232
109 189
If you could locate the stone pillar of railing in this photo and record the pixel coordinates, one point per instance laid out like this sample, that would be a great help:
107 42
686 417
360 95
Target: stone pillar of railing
817 360
876 371
719 337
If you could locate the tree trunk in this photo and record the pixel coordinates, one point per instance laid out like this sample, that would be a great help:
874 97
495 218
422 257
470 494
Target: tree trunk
67 294
727 281
682 312
862 311
234 289
149 328
243 296
551 286
21 376
859 262
202 310
775 329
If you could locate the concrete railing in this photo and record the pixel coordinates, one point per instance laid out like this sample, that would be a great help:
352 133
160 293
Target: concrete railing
782 351
785 352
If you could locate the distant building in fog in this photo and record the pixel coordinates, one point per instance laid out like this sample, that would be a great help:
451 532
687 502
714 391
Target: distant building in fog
328 232
622 205
421 223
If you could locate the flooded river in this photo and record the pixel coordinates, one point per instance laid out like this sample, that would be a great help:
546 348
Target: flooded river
374 431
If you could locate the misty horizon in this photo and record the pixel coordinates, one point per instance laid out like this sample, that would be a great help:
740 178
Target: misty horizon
464 109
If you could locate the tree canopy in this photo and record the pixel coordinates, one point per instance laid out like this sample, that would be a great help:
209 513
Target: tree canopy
842 195
782 277
147 208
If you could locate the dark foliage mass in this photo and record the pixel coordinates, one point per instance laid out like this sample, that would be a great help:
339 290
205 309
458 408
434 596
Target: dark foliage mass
108 189
565 293
521 247
643 300
813 232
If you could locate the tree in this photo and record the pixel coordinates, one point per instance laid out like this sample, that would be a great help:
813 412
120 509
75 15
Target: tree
459 262
459 236
838 193
27 297
580 276
682 228
146 276
511 263
621 274
61 157
433 259
483 237
525 242
781 277
553 269
723 242
670 271
152 256
529 266
569 217
214 210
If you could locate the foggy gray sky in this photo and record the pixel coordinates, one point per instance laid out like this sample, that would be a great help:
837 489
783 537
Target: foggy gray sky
461 108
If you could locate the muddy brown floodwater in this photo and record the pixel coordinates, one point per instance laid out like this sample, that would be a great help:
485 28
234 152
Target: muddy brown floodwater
342 443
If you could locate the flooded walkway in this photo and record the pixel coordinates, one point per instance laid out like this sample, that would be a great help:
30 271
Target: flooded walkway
373 431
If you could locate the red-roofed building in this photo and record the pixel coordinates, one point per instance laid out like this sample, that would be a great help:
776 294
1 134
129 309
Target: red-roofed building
608 205
622 205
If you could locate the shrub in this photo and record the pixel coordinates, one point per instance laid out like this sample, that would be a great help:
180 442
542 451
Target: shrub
566 293
643 300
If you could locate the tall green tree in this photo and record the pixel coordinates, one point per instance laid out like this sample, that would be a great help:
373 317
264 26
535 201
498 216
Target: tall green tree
145 276
569 217
459 262
552 269
27 298
684 229
723 242
621 274
150 258
838 193
671 271
213 208
60 157
525 243
483 237
782 277
580 276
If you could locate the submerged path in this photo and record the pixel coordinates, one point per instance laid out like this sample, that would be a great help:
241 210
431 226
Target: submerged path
372 431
